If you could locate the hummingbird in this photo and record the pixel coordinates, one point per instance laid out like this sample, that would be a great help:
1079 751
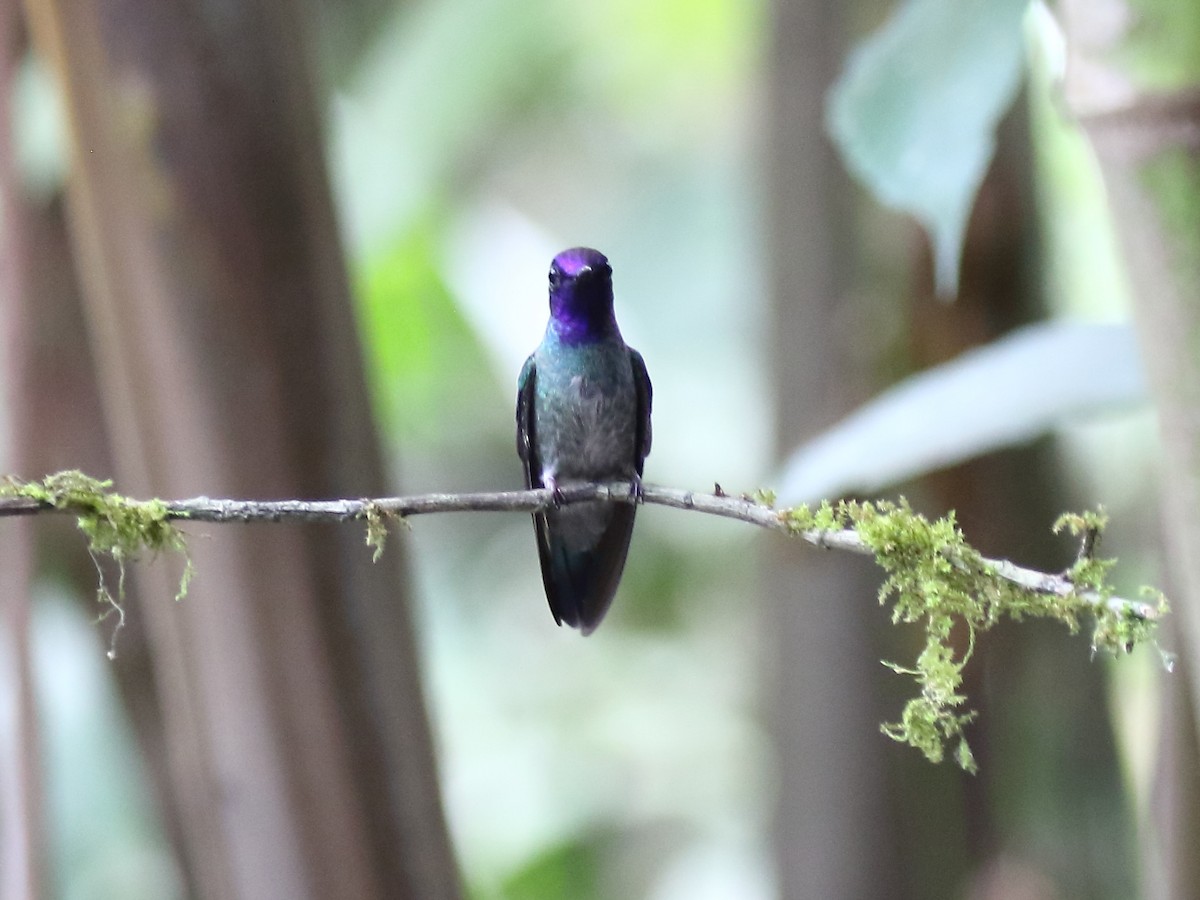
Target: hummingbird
583 416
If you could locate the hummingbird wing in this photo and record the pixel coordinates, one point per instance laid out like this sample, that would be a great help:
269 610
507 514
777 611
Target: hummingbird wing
645 396
551 553
526 384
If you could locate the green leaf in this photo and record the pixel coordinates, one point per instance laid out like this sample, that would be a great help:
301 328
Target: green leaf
915 111
1007 392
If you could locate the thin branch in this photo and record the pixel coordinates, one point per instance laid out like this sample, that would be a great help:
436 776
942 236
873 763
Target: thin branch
744 509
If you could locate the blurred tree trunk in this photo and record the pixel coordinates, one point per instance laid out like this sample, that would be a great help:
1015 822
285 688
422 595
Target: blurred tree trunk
293 718
55 424
1048 760
21 825
832 829
1170 818
1132 80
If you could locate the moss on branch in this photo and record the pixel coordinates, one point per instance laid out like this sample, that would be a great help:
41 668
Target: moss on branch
935 578
116 527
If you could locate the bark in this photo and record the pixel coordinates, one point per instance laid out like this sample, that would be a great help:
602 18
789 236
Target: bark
831 821
299 753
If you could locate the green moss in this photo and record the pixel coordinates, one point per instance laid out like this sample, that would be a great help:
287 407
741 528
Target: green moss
116 526
378 519
764 497
937 580
799 519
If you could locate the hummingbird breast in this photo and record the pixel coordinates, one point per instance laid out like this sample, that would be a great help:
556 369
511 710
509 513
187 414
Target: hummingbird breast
586 414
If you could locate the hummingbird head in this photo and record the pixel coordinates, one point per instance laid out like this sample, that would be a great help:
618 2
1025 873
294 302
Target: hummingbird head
581 295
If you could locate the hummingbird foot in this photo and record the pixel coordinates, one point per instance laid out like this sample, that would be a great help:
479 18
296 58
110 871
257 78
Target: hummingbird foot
637 493
556 494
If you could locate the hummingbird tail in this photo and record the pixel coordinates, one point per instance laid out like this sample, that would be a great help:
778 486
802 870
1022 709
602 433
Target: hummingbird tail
581 576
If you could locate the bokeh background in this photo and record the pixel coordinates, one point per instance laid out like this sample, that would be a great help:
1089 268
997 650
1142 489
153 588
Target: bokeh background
286 248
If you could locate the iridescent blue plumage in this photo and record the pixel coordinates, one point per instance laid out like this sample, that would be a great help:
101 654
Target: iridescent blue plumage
583 415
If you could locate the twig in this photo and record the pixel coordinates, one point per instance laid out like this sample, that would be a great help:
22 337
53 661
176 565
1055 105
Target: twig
744 509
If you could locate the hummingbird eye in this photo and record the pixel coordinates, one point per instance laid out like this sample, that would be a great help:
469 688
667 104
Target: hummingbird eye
555 276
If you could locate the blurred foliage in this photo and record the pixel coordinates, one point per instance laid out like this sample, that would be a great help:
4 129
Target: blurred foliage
666 57
915 112
1084 272
570 869
1163 45
425 365
469 140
